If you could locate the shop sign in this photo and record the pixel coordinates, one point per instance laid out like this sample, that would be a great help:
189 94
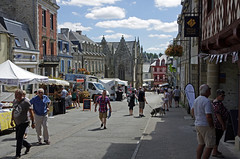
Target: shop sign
191 26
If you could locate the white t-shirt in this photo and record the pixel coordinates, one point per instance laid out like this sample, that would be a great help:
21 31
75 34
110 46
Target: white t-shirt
202 106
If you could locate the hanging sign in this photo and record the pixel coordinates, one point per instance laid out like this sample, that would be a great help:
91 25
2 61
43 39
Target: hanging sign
191 26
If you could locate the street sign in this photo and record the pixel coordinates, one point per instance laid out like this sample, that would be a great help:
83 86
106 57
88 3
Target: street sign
86 104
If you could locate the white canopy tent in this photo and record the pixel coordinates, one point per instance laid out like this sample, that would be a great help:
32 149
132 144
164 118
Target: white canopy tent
11 74
58 82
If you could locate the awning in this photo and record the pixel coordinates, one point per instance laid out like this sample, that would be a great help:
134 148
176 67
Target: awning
148 80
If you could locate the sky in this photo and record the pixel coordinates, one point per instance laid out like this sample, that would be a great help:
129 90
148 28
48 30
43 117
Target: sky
154 22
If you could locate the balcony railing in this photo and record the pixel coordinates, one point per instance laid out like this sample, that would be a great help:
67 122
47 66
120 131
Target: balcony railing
50 58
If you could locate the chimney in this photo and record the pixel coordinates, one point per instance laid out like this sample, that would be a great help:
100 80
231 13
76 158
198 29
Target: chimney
65 31
79 32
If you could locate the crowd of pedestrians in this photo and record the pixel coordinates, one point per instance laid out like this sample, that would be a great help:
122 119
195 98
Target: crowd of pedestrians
210 117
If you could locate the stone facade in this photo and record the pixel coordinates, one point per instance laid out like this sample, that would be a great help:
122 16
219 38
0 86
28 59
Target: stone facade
123 60
30 12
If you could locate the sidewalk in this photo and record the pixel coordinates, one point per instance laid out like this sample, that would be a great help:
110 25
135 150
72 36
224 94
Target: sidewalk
173 137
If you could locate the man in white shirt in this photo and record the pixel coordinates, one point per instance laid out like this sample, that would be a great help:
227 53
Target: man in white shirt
202 111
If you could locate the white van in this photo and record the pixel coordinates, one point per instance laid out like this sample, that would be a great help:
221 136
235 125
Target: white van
95 88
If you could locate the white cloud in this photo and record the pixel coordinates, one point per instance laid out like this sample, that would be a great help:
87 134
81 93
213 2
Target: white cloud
75 13
158 49
167 3
109 31
109 12
74 26
136 23
81 3
134 2
160 36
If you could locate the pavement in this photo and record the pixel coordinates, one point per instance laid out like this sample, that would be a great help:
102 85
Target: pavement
173 136
76 134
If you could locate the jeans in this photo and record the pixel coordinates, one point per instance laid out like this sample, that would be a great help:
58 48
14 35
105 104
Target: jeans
20 130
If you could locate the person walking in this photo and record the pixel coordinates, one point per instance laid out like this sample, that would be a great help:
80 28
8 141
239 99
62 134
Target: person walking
131 102
63 95
142 100
220 120
170 91
74 98
41 105
21 107
103 101
166 99
203 114
26 131
176 94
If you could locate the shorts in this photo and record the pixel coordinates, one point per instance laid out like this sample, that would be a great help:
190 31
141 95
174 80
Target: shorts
176 98
102 115
74 99
206 136
142 105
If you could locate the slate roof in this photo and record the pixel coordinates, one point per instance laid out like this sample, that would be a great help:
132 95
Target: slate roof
20 31
74 36
2 29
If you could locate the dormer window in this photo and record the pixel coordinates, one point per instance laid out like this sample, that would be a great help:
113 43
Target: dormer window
17 42
26 43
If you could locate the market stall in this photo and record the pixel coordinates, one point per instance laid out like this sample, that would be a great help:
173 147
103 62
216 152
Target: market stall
12 75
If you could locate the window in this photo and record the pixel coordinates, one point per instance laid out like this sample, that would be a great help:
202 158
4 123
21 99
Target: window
69 65
157 63
163 63
155 69
146 76
92 66
52 48
210 5
44 18
62 66
44 48
76 68
17 42
51 21
26 43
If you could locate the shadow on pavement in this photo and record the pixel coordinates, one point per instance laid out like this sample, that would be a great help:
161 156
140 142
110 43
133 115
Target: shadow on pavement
96 129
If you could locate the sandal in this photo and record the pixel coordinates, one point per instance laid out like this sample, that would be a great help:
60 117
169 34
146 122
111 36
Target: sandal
218 155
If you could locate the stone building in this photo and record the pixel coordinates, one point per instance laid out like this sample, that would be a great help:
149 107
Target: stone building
5 44
41 18
123 60
187 65
220 47
91 56
19 45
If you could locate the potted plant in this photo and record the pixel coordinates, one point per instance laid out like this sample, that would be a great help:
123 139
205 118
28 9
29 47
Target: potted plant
174 50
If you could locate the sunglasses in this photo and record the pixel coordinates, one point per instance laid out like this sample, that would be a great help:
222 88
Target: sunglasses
40 92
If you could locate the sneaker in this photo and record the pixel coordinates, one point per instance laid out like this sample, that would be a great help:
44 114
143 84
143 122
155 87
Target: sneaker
143 115
47 142
105 127
102 125
167 110
16 157
39 142
27 149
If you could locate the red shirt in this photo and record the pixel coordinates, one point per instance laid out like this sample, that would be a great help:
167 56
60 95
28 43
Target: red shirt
103 103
